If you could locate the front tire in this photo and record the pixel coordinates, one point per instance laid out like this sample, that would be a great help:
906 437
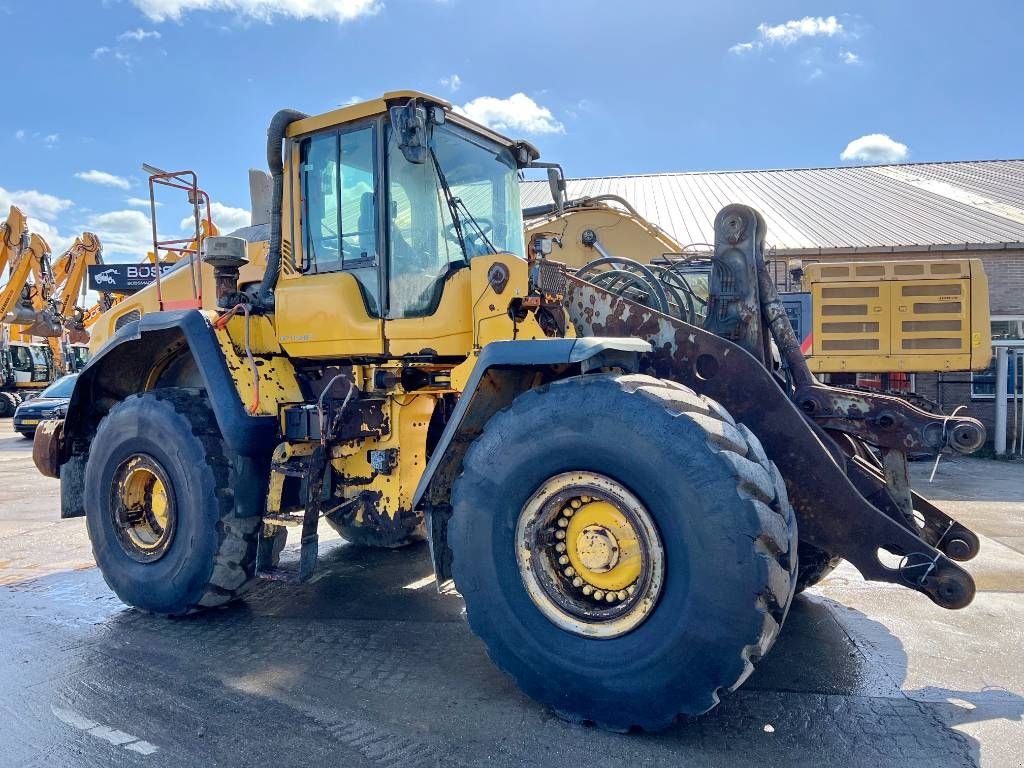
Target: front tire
172 516
637 447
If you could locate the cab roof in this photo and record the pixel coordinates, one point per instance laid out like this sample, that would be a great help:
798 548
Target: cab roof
382 104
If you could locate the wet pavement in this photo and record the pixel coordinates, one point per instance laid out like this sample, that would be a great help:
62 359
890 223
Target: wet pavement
369 666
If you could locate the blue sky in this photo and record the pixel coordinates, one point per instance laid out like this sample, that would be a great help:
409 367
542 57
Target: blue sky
94 88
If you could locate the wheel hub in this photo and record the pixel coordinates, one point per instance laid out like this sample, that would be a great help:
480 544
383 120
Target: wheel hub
143 508
597 549
589 555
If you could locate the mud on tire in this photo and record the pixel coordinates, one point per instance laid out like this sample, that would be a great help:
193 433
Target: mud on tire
210 559
727 527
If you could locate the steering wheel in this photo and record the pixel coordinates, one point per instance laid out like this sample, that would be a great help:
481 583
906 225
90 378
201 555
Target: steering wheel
476 242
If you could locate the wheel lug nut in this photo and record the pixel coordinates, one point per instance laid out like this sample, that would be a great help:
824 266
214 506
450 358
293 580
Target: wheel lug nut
576 503
559 547
598 594
568 511
562 522
622 594
610 597
631 589
587 589
570 571
577 582
559 534
585 499
563 560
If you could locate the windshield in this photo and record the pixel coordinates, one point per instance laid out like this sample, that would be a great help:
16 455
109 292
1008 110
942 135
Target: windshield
444 213
62 387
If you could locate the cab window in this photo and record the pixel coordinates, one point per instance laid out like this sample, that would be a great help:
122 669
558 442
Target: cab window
424 236
339 216
21 359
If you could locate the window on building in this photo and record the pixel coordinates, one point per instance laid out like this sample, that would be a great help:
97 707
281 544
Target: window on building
983 383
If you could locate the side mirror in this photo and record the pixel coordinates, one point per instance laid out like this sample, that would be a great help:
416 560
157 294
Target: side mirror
409 124
556 181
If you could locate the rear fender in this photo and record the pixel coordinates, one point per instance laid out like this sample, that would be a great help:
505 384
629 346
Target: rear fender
160 349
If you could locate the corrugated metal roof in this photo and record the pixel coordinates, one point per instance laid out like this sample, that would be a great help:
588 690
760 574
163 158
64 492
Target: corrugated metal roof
941 206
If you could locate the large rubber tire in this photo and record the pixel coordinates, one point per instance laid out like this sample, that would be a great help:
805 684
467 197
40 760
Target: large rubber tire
211 557
8 404
728 531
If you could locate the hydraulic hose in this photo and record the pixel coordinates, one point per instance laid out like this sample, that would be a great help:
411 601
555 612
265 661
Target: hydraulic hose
275 162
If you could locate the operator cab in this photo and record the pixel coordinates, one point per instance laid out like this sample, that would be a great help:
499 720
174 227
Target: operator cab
393 200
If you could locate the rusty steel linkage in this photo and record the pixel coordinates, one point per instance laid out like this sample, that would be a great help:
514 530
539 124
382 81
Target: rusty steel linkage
817 435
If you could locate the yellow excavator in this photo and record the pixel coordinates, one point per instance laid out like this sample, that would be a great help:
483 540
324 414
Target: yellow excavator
70 348
617 492
26 366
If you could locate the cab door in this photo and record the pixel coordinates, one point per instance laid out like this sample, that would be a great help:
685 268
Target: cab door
429 304
329 297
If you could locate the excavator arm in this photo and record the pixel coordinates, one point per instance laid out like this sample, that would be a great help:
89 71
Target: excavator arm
69 275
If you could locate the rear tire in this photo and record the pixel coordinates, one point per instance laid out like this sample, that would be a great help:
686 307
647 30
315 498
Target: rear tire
375 531
172 516
722 518
8 404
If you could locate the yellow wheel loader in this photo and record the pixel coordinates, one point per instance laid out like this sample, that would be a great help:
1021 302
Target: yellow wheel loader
618 493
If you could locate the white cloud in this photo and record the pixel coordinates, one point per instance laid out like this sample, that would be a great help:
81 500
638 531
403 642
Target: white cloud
516 113
788 32
226 218
101 51
41 209
740 48
140 202
452 83
20 134
51 139
104 179
139 35
875 148
262 10
33 203
849 57
125 232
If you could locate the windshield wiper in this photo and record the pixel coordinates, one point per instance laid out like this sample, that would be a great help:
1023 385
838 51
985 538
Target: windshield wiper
453 208
453 205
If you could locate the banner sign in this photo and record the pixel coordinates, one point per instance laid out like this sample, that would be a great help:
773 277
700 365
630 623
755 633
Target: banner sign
122 278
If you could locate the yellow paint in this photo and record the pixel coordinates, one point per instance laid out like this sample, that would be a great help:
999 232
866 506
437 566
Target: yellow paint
274 383
603 547
619 232
899 316
409 416
324 316
448 331
356 112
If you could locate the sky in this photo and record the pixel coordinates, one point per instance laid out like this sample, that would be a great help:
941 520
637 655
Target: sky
95 88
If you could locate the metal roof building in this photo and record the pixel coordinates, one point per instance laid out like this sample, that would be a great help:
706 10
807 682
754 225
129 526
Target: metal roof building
954 206
862 213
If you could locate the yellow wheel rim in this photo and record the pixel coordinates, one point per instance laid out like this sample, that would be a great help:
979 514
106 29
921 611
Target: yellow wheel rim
602 545
143 508
590 555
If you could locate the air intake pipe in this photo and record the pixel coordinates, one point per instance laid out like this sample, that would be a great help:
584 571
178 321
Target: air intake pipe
275 135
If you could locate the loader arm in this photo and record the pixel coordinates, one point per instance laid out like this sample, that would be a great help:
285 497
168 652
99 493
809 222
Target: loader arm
829 489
